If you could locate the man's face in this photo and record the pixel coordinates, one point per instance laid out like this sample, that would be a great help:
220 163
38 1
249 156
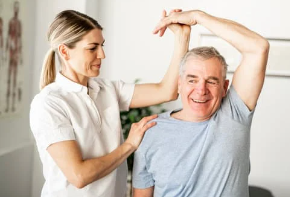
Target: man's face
202 88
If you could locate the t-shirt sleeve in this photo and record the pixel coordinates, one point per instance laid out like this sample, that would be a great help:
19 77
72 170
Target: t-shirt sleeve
125 93
48 121
141 177
233 106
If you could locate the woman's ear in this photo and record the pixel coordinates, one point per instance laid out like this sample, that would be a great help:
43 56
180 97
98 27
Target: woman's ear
63 51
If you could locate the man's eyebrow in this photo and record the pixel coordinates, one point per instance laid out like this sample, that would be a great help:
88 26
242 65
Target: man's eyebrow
191 76
213 78
209 78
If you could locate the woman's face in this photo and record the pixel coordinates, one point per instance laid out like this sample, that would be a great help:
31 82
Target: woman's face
84 60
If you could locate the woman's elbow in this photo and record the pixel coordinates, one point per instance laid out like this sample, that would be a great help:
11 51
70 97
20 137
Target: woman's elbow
172 97
78 180
78 183
168 92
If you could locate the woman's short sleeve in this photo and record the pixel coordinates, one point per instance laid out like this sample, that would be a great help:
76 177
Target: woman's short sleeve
125 93
49 122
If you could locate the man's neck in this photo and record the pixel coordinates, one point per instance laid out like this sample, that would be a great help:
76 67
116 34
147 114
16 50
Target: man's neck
182 115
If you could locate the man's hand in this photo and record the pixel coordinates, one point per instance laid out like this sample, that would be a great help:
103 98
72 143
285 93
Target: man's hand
186 18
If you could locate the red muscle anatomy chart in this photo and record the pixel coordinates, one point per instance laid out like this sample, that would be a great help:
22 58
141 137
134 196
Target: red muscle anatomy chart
11 60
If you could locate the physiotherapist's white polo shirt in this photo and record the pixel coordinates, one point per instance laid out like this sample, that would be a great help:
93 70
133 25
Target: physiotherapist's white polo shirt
64 111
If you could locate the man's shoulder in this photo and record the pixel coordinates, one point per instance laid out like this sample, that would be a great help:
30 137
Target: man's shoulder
163 122
163 118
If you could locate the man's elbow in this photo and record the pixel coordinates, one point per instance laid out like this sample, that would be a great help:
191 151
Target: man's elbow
264 46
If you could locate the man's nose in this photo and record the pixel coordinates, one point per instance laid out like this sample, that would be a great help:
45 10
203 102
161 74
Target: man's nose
200 87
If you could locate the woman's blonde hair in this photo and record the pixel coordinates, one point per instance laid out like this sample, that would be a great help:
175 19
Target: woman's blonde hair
68 28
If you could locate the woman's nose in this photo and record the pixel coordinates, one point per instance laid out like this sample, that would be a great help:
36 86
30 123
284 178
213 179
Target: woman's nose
101 53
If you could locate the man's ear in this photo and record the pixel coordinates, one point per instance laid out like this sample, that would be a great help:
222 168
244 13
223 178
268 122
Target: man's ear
226 85
63 51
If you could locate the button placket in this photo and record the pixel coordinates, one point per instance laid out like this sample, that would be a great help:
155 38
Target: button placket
98 116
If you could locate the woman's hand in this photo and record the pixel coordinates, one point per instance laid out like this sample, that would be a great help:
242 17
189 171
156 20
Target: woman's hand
176 17
138 129
176 28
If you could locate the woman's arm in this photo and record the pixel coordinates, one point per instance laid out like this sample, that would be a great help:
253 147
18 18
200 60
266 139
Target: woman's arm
166 90
79 172
147 192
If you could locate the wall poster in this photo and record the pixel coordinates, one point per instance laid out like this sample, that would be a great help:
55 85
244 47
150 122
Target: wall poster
11 57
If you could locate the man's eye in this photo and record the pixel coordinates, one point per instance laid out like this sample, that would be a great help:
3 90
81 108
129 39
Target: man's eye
212 82
192 81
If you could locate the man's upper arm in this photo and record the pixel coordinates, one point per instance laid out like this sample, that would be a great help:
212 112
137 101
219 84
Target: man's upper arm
142 178
249 77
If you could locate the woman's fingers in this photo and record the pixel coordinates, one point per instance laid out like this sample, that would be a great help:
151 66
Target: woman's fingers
138 129
149 125
164 22
146 119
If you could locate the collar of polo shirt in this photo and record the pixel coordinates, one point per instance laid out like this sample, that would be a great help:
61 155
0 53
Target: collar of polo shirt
72 86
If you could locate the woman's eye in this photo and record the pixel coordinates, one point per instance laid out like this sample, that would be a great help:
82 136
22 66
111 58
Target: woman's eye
92 49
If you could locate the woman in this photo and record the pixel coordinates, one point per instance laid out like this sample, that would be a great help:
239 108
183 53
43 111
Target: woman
75 117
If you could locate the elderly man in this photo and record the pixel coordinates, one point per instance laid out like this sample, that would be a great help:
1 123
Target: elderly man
203 149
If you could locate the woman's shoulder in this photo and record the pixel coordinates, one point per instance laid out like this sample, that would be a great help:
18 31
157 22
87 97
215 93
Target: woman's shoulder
50 93
106 83
101 81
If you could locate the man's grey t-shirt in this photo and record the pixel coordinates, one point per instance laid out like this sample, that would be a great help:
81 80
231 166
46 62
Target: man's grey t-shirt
197 159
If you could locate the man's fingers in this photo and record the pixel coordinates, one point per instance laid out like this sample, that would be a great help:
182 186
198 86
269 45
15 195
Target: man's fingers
162 26
175 10
159 27
162 30
163 14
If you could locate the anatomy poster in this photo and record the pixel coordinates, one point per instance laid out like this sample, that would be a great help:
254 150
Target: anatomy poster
11 57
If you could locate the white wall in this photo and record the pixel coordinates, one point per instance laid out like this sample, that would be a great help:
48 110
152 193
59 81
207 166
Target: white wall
133 52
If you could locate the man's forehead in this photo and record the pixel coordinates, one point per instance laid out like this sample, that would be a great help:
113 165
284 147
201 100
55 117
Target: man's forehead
209 65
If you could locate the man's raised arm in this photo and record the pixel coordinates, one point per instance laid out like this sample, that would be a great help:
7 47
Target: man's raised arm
249 76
